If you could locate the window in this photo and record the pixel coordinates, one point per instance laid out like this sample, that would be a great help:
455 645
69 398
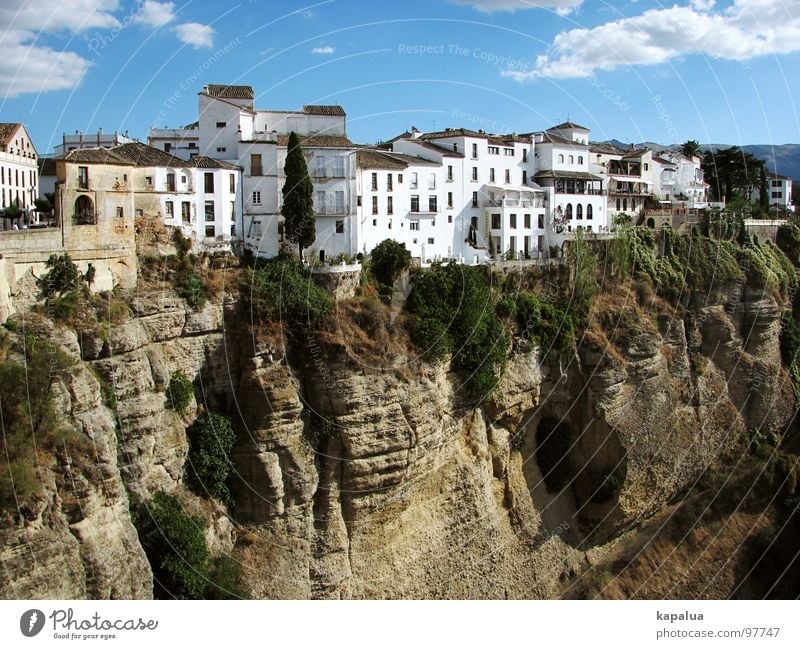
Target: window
358 201
540 221
413 180
624 204
449 173
512 219
221 149
474 199
221 124
210 230
83 177
508 176
524 177
183 179
399 179
449 218
209 211
509 151
430 241
432 181
449 199
232 183
169 209
776 183
432 204
619 205
389 205
256 198
579 212
255 165
319 202
281 231
474 174
374 222
415 203
208 182
170 182
148 182
374 204
186 212
491 175
588 211
474 151
388 182
526 221
374 182
120 212
495 221
524 155
338 167
167 147
339 202
319 162
413 226
255 229
776 194
580 161
494 150
561 157
139 212
340 227
569 210
455 147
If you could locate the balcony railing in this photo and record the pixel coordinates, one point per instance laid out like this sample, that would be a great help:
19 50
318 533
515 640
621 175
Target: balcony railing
576 190
510 202
333 211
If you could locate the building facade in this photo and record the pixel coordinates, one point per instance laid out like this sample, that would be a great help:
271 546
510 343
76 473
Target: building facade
19 171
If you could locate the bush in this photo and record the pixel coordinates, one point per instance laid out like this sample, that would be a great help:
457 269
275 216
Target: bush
226 580
552 327
389 259
192 289
179 392
175 546
281 289
211 440
455 314
62 277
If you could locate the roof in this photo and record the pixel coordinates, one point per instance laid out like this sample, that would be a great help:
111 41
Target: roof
229 92
566 125
333 111
144 155
442 150
663 161
579 175
606 148
453 132
7 129
97 155
318 140
636 153
371 159
406 135
550 138
777 176
47 166
207 162
509 138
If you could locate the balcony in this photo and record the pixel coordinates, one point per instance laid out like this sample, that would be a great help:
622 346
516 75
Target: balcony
581 191
512 202
331 211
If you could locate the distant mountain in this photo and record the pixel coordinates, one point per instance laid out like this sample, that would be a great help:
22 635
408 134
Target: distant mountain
783 158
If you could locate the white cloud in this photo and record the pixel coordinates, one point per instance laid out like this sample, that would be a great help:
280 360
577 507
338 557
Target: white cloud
490 6
327 49
746 29
195 34
155 14
26 65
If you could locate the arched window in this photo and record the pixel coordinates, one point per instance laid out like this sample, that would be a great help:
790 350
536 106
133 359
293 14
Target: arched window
569 210
624 204
633 203
618 205
579 211
651 224
561 157
588 212
84 211
572 160
580 159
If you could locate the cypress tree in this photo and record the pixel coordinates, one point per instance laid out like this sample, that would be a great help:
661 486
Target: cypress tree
763 195
298 206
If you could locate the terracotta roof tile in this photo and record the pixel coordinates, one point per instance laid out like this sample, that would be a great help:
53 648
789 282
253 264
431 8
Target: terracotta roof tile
334 111
229 92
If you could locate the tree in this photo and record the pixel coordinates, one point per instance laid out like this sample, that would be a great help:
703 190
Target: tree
763 195
43 205
690 148
389 259
731 172
298 206
12 212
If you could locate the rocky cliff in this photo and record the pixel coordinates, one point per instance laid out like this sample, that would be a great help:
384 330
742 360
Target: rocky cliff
363 472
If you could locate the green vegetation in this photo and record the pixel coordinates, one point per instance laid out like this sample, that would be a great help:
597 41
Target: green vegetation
388 260
551 326
211 440
455 316
187 282
583 275
298 205
788 240
62 277
179 392
767 268
282 290
31 426
731 172
790 350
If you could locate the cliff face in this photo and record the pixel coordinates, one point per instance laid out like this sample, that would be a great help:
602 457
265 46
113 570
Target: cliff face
370 476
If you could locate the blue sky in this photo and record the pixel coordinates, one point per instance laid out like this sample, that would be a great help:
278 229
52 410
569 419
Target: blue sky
694 69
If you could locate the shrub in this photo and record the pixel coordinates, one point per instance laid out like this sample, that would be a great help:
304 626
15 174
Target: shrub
62 277
552 327
788 240
389 259
179 392
175 546
281 289
455 314
225 580
192 289
211 440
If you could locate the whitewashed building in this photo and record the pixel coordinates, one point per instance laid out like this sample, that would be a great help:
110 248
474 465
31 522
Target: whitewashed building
779 191
19 172
183 142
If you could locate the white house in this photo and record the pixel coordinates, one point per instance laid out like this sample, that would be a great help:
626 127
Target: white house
19 172
779 190
181 142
